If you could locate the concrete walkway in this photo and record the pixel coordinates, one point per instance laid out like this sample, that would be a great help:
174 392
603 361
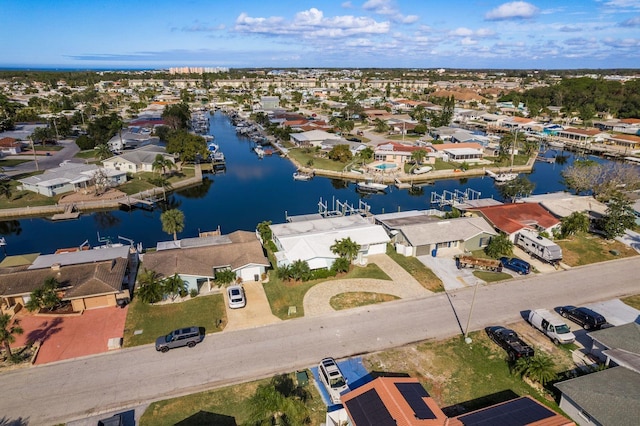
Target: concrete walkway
402 284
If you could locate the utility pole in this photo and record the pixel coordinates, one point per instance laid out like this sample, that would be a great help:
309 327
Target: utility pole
35 157
467 339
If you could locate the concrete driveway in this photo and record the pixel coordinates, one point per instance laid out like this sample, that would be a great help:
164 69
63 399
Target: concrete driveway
452 277
256 313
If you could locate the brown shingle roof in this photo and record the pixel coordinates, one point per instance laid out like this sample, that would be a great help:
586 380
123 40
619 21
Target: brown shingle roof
80 280
244 249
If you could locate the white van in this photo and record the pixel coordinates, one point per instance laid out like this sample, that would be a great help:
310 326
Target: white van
552 325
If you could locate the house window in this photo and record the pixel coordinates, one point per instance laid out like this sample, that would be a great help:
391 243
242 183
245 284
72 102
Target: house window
585 415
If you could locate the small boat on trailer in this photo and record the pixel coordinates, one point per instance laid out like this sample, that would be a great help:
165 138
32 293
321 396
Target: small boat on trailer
422 170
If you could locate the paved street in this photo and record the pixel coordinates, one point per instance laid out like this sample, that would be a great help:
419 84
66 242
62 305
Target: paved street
77 388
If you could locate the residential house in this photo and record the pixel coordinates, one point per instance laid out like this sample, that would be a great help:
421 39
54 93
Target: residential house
403 401
130 139
611 396
269 103
197 260
563 204
629 142
469 152
395 152
10 146
583 136
420 235
137 160
511 218
71 177
310 239
354 147
312 138
88 278
608 397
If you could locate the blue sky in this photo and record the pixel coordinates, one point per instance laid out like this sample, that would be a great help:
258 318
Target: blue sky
321 33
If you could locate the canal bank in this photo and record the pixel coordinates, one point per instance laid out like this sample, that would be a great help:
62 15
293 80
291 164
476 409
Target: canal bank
250 190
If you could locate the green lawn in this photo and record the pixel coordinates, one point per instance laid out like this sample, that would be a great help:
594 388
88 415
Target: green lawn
421 273
462 376
633 301
21 198
283 294
136 185
224 407
302 157
13 162
585 249
49 147
90 153
490 277
359 298
158 320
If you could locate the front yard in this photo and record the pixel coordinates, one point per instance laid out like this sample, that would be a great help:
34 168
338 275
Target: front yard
463 377
283 294
584 249
158 320
421 273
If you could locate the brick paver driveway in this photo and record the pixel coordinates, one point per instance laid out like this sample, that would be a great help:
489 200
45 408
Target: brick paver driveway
402 284
65 337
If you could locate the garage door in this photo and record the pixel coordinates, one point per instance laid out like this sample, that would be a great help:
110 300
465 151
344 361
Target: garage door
423 250
97 302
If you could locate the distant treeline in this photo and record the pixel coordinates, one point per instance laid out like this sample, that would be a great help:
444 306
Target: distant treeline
584 95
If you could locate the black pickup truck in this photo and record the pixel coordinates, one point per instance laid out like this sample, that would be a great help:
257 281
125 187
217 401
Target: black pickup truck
510 342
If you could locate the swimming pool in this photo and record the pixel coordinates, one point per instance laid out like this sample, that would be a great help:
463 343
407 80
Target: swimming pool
385 166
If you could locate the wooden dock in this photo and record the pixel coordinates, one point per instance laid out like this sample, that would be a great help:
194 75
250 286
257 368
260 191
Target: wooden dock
70 212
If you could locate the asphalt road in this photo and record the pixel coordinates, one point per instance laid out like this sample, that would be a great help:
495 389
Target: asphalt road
68 151
78 388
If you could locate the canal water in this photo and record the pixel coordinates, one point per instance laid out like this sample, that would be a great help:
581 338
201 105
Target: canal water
249 191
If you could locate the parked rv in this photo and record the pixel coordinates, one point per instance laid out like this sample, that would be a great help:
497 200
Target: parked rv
552 325
538 246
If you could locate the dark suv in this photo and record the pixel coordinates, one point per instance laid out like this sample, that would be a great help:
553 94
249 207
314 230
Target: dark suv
518 265
189 336
587 318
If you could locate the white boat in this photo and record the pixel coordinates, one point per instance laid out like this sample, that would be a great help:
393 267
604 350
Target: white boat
505 177
258 150
302 176
421 170
212 147
502 177
369 186
555 144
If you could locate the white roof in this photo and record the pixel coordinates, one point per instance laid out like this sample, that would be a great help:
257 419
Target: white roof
68 173
463 151
314 135
562 204
308 240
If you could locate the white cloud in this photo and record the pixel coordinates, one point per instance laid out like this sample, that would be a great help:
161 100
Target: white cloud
389 8
467 41
512 10
311 24
347 5
623 4
466 32
622 43
631 22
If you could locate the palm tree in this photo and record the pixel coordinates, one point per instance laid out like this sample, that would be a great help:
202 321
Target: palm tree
269 405
175 286
300 270
5 189
149 287
418 155
45 297
539 367
8 330
172 222
225 276
162 163
103 152
346 248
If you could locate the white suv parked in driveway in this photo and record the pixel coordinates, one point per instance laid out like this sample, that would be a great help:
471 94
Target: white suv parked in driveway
236 295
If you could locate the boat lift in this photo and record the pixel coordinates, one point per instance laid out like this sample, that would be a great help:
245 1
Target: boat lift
449 198
340 208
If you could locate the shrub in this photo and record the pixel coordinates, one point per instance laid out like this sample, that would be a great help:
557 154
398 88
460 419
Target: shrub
319 274
193 293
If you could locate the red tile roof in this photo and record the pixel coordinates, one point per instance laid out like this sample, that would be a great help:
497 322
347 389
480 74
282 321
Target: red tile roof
445 146
513 217
8 142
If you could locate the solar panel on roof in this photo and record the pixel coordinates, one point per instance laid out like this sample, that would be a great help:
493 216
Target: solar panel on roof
517 412
413 394
368 409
